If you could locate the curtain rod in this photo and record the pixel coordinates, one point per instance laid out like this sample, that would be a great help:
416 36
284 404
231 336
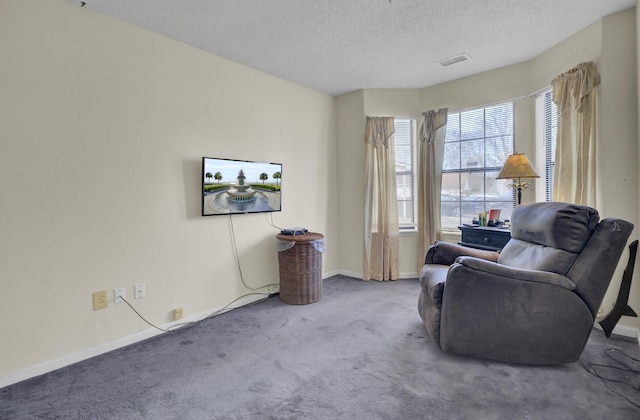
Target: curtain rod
539 91
504 101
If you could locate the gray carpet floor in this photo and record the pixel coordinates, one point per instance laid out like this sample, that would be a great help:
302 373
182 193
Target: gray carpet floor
361 352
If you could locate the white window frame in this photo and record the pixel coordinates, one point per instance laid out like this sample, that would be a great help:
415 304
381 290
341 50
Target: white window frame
546 132
481 169
401 148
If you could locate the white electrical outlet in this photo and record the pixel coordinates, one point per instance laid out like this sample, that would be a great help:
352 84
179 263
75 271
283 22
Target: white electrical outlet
139 290
118 293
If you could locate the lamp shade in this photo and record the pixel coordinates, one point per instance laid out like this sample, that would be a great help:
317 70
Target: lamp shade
517 166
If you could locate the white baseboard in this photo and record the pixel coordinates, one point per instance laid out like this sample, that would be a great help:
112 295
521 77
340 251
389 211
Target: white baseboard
354 274
33 371
328 274
358 275
623 331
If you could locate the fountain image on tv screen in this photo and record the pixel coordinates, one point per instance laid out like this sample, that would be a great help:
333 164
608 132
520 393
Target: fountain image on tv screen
240 186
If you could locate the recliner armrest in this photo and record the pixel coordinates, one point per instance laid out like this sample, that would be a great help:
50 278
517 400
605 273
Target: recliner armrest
445 253
516 273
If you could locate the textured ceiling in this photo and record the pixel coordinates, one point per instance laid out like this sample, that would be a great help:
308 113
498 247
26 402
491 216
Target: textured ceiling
337 46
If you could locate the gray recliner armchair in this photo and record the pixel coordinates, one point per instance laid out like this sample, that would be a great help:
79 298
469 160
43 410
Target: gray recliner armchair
533 303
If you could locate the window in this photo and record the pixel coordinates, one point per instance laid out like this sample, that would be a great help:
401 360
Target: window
477 144
404 138
550 131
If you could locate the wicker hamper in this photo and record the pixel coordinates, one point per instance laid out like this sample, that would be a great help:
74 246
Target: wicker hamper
300 269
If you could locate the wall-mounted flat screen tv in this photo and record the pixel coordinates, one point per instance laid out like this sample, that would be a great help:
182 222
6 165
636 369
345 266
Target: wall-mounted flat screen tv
240 186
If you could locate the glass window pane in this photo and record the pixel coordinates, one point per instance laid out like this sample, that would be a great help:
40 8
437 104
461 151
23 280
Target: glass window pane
497 189
472 188
498 148
472 154
450 187
403 147
472 124
453 127
499 120
450 213
451 156
471 210
450 200
404 186
404 141
550 130
405 212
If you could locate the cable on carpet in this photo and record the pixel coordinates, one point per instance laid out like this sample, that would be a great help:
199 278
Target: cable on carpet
186 325
591 369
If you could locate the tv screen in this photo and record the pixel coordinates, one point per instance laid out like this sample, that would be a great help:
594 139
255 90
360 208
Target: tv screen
240 186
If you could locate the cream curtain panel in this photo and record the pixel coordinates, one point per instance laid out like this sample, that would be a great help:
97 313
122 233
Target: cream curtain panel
431 136
381 233
574 93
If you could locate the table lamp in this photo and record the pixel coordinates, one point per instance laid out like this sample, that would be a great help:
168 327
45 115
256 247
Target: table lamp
517 166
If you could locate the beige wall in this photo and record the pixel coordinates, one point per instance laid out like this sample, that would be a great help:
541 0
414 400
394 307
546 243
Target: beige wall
102 130
617 149
352 109
350 146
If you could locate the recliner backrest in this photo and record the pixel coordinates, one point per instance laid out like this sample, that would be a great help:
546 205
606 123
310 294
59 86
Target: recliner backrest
548 236
568 239
593 269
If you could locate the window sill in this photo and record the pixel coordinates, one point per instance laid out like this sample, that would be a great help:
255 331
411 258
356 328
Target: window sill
408 232
451 236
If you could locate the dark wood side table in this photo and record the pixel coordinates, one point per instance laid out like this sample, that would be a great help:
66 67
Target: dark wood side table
488 238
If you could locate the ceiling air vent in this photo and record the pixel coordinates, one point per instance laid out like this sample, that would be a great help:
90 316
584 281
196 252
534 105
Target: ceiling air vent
453 60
